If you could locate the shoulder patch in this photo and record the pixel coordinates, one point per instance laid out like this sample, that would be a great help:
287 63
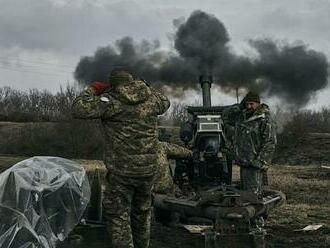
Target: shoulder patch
104 99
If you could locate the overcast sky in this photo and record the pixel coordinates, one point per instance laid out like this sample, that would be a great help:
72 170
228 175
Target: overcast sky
41 41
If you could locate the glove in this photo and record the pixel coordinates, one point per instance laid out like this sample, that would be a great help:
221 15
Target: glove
99 87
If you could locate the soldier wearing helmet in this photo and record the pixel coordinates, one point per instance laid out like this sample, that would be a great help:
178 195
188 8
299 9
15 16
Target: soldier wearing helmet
128 112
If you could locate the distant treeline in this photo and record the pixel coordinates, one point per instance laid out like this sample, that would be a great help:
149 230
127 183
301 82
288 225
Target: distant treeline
309 121
43 106
304 138
43 125
36 105
38 122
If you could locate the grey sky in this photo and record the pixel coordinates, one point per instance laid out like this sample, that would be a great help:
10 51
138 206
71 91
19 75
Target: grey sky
42 40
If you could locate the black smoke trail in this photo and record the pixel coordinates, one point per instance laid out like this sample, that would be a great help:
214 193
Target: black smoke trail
293 72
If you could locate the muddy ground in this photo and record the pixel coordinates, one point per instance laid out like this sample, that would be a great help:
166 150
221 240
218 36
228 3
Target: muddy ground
308 202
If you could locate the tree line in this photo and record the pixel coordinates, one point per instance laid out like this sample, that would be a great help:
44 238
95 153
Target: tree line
47 127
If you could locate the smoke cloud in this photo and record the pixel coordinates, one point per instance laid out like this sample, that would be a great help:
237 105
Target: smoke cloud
142 59
203 39
292 72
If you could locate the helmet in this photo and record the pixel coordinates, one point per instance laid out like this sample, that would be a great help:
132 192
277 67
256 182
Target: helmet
119 76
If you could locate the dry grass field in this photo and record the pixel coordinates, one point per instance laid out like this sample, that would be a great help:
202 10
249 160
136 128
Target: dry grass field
307 189
308 202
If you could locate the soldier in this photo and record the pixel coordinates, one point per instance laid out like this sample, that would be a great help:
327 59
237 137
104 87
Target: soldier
164 182
128 112
255 141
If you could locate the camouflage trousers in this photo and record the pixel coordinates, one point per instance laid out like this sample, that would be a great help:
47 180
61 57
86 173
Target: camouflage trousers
127 208
251 179
163 181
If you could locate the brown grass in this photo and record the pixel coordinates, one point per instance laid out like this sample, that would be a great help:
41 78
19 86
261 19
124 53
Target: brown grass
308 202
308 196
6 161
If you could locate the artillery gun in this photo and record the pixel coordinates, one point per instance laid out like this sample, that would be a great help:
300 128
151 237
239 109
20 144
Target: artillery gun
236 216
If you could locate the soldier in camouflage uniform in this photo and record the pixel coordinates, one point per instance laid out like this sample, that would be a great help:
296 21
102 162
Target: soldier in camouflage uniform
255 140
128 112
164 182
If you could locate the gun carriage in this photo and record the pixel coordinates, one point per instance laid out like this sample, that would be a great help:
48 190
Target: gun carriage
236 216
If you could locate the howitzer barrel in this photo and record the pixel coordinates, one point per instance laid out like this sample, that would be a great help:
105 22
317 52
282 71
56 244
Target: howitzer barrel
206 90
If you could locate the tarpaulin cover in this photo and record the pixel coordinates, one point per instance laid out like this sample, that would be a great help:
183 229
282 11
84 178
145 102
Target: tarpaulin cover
41 201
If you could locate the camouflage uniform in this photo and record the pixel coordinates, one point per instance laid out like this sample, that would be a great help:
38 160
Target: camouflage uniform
129 116
255 140
164 182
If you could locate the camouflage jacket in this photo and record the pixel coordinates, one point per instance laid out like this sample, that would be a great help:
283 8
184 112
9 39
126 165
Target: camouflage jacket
255 138
129 117
164 182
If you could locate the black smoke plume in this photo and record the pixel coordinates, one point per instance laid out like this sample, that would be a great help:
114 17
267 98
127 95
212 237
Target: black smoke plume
292 72
203 40
141 59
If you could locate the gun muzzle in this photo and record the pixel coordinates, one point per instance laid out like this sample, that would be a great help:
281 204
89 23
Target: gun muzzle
206 83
